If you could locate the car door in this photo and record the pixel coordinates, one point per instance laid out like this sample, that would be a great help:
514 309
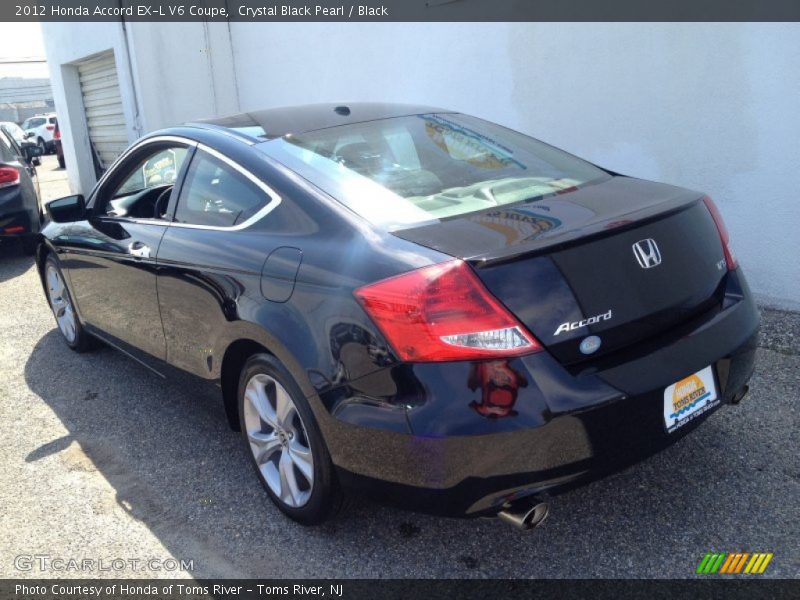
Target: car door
211 257
111 256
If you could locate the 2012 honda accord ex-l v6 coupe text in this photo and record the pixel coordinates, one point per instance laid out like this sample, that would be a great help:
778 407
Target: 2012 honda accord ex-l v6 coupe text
408 302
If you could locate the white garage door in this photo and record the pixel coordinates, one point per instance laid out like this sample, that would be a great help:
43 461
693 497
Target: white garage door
103 104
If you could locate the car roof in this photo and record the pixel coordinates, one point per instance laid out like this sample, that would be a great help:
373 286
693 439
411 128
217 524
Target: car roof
278 122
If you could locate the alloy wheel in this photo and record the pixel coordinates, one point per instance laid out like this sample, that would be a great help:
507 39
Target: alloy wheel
59 301
278 440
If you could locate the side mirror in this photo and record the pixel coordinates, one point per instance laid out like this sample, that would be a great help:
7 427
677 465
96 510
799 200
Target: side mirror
29 134
31 151
67 210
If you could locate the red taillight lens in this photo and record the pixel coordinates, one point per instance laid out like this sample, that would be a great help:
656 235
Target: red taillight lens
443 312
50 127
730 257
8 176
57 134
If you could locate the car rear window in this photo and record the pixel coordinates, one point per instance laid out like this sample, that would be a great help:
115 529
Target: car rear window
405 171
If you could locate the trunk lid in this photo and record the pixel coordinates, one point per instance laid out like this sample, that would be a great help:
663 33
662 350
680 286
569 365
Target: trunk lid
581 264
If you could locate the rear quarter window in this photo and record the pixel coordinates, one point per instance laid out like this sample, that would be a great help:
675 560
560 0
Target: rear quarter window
214 194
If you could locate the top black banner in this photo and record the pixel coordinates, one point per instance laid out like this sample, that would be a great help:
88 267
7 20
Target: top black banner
402 10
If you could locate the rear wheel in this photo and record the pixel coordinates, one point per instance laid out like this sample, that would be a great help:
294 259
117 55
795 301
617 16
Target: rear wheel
285 444
42 145
63 309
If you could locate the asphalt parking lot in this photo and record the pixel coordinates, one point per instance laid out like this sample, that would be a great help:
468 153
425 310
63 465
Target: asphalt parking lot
100 459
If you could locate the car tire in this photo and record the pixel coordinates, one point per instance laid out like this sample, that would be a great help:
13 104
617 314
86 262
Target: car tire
60 300
43 145
289 456
61 163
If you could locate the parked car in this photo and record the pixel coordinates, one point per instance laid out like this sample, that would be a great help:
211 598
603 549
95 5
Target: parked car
40 129
409 302
18 135
20 209
58 147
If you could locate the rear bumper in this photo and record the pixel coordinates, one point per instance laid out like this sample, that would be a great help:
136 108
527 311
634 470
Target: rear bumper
12 221
448 440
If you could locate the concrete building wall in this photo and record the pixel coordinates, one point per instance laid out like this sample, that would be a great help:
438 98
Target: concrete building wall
707 106
184 72
168 73
19 90
21 111
66 44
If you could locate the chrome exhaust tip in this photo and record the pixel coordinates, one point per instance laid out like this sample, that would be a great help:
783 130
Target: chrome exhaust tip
525 514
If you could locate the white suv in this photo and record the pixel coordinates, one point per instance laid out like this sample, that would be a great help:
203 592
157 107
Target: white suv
42 127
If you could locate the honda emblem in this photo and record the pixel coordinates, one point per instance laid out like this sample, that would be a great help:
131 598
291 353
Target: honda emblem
647 253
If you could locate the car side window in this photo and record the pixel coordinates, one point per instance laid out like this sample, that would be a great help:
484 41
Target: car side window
154 170
218 195
141 186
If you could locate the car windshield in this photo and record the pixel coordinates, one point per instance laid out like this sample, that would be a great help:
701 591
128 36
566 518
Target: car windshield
406 171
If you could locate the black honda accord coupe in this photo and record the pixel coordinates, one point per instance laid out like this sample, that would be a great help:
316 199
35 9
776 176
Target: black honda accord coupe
408 303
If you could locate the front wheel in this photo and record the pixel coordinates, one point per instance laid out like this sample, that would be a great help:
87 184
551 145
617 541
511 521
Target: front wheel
63 309
285 443
42 146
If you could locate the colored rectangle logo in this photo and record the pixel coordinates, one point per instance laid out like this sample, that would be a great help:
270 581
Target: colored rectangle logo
734 563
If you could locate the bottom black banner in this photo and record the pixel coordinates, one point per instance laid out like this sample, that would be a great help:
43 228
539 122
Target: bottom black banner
315 589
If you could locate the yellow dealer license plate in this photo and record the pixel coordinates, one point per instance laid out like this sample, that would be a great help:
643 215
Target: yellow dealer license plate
689 398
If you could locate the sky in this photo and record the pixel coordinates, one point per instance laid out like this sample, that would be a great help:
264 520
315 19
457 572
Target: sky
21 40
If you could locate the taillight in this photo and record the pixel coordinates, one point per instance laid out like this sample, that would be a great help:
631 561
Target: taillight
443 312
57 134
730 257
8 176
50 127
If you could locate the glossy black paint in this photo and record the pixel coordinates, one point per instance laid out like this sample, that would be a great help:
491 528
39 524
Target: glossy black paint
454 438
